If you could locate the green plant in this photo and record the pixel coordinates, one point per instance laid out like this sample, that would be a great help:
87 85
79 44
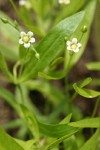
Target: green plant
62 35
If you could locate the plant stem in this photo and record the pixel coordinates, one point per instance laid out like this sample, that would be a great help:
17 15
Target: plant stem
21 94
67 68
15 70
22 66
96 106
17 28
81 37
73 97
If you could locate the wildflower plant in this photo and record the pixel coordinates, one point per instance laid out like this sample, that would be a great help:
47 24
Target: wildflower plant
45 45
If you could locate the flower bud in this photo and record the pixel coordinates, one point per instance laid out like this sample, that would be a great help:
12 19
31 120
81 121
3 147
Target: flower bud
4 20
84 29
37 55
65 38
15 23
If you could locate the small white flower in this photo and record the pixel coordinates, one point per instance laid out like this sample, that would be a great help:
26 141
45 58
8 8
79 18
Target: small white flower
73 45
26 39
22 2
64 1
25 3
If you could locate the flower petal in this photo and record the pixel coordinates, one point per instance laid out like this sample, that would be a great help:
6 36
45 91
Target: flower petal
30 33
32 40
69 48
79 44
22 34
74 40
22 2
26 45
67 2
20 41
76 50
60 1
68 43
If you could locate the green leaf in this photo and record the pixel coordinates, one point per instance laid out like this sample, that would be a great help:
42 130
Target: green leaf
85 82
91 144
53 43
86 92
56 142
87 123
27 145
13 124
66 119
31 121
95 82
7 142
9 98
8 53
9 35
52 75
93 66
57 130
8 31
4 67
36 30
57 61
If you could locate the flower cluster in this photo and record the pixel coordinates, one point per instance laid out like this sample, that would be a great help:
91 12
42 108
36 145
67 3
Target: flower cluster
26 39
73 45
64 1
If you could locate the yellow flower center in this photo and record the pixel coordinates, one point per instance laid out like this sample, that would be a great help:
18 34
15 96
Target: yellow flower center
73 46
25 39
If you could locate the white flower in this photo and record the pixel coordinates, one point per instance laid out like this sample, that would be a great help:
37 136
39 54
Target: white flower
64 1
22 2
25 3
26 39
73 45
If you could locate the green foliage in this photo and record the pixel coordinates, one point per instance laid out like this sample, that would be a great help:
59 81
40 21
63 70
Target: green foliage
53 43
91 144
93 66
9 35
50 120
4 67
31 121
85 92
56 131
6 142
87 123
89 9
